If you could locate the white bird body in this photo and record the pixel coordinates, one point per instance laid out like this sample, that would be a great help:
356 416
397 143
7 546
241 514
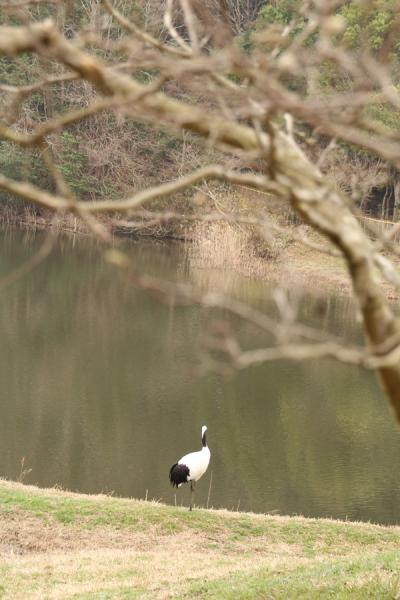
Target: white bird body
191 466
197 463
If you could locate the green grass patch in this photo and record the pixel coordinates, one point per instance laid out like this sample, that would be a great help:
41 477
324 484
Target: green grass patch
92 512
358 579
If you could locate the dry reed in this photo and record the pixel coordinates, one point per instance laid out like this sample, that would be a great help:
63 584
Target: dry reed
221 245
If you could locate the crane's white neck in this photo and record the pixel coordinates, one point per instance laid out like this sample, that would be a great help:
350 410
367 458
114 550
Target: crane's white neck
203 436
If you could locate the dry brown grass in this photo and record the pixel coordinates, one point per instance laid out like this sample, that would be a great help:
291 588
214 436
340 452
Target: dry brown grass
225 246
29 218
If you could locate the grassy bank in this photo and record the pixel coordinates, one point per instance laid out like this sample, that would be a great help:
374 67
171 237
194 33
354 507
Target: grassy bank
56 544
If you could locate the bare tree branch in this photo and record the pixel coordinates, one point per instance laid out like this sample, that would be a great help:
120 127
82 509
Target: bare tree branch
290 173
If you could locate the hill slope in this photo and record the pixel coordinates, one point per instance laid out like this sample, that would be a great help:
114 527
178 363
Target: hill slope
56 544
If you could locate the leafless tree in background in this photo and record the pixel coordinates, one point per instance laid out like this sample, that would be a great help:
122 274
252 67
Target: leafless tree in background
237 14
245 106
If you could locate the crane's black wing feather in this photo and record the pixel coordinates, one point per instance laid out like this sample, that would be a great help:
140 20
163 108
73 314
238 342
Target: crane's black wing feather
178 474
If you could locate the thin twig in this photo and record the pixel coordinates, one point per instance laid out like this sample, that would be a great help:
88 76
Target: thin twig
209 490
190 24
143 35
173 32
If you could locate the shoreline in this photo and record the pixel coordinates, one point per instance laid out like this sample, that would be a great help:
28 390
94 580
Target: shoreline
59 544
296 265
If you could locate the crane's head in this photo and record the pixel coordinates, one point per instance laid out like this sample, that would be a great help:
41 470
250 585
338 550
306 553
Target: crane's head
203 430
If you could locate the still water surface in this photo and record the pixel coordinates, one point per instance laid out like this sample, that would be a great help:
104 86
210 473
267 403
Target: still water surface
99 393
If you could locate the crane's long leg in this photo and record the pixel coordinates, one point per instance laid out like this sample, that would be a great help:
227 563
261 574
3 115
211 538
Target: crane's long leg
191 495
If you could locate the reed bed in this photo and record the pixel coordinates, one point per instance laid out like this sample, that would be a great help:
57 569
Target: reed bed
226 246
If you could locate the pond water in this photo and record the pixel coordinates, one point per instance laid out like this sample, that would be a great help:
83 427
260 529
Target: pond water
100 393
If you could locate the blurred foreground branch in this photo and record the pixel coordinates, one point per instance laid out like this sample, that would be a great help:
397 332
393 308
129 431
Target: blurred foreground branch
262 105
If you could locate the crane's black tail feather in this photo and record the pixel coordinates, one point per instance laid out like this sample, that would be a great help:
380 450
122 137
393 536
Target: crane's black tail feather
178 474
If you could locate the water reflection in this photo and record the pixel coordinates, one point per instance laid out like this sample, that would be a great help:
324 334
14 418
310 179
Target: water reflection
99 394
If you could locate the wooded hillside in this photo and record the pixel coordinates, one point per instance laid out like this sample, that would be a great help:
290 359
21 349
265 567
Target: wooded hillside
106 155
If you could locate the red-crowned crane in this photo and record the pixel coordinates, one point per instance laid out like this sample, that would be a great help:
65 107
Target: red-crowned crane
191 467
